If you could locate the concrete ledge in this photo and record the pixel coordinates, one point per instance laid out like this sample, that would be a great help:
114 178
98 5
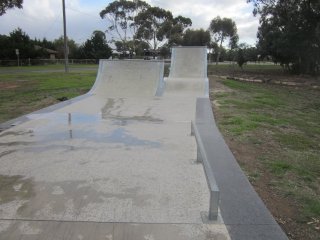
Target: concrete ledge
242 210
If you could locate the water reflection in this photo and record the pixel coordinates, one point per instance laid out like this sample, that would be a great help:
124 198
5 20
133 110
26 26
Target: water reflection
76 126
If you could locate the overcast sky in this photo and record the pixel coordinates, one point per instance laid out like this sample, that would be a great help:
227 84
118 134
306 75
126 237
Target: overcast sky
43 18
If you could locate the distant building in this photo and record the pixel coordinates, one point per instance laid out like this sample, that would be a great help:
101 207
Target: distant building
49 53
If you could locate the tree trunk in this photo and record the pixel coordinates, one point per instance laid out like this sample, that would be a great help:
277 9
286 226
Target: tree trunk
154 46
219 51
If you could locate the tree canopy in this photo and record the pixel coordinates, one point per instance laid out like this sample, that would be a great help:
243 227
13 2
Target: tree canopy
131 22
17 39
120 15
8 4
289 32
96 47
223 29
157 26
153 25
197 37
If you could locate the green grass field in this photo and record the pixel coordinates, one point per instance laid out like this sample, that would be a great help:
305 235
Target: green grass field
22 90
49 67
278 129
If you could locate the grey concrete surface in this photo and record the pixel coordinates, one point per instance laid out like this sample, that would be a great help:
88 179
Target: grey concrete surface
188 62
118 163
128 78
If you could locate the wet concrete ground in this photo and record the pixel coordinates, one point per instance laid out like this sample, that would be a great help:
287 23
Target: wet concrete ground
118 163
120 169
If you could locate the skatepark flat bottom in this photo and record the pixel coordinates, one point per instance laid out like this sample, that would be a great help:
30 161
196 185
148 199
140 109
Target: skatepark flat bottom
125 164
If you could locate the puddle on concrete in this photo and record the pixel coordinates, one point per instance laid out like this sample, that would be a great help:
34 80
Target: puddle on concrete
67 126
67 118
120 135
66 147
4 153
15 188
16 133
16 143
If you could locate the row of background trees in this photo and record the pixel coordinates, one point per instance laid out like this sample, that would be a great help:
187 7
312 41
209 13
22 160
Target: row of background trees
94 48
132 28
289 34
97 47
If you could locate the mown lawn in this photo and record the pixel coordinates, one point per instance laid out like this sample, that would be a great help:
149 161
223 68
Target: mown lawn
22 92
274 132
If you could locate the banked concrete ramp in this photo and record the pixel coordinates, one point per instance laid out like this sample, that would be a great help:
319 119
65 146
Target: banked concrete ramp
129 78
116 163
188 73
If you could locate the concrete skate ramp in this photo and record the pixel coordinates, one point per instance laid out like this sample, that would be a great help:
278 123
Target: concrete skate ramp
188 62
188 72
128 78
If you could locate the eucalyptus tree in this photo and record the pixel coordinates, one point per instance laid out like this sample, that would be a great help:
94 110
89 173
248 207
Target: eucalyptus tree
120 15
177 30
154 25
8 4
221 30
158 27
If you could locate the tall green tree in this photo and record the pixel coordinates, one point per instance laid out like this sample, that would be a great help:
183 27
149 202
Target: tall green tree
120 16
289 32
96 47
176 30
4 43
154 25
8 4
158 27
197 37
18 39
223 29
59 47
137 45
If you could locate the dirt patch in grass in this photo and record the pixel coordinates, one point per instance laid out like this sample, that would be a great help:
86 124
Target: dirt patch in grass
274 133
268 73
7 85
